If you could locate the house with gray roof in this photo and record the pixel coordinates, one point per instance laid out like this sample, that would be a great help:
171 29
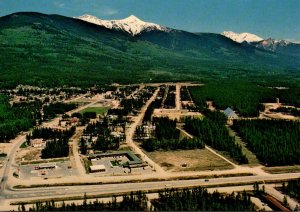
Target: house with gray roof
230 114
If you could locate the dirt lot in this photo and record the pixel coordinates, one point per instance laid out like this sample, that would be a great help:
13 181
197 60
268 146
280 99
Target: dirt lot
280 116
276 115
30 153
175 114
196 160
5 147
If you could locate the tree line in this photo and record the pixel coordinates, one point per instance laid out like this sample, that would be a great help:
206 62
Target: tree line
275 142
165 128
51 110
292 188
133 202
56 148
50 133
243 97
167 137
17 117
196 199
152 145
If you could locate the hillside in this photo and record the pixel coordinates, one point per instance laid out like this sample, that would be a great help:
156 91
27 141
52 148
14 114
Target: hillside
53 50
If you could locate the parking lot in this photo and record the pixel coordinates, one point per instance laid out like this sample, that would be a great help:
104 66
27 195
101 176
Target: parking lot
112 168
62 169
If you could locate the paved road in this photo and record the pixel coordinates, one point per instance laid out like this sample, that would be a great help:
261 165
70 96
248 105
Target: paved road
78 133
130 132
127 187
260 204
275 193
10 160
168 84
75 148
177 97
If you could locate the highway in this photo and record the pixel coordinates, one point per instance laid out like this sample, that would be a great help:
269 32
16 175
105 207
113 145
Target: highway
50 192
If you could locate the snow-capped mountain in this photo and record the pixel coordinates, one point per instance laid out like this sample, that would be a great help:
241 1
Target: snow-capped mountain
271 44
278 46
131 24
242 37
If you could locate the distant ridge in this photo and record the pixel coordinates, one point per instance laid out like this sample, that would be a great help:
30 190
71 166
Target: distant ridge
132 24
242 37
49 50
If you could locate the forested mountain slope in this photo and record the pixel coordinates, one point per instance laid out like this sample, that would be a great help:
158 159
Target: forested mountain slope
53 50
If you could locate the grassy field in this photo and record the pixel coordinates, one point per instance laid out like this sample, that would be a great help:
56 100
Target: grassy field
282 169
98 110
250 156
195 160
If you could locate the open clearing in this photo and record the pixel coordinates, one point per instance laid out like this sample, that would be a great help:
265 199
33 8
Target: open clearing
195 160
98 110
28 154
253 161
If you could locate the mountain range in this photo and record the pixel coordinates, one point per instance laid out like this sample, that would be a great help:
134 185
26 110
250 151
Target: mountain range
132 24
242 37
52 50
269 44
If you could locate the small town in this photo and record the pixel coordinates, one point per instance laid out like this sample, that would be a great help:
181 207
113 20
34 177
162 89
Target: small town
149 105
115 134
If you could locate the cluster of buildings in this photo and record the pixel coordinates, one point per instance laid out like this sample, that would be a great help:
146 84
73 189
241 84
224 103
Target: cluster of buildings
125 159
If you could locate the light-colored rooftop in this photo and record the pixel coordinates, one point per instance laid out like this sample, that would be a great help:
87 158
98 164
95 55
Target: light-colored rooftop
97 167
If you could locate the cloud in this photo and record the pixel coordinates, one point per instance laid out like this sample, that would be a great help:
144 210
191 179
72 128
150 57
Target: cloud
59 4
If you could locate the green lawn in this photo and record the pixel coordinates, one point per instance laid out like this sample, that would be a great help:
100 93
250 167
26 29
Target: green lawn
115 163
98 110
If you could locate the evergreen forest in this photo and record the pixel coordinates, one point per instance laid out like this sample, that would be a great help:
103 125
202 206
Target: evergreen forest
16 118
292 188
196 199
211 130
275 142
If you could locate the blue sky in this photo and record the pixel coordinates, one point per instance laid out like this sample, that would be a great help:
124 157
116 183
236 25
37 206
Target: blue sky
267 18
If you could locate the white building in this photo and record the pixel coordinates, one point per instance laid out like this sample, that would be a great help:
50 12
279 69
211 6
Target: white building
38 143
97 168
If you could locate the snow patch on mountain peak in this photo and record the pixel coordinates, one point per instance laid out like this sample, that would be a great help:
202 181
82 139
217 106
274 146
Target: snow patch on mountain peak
242 37
132 24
